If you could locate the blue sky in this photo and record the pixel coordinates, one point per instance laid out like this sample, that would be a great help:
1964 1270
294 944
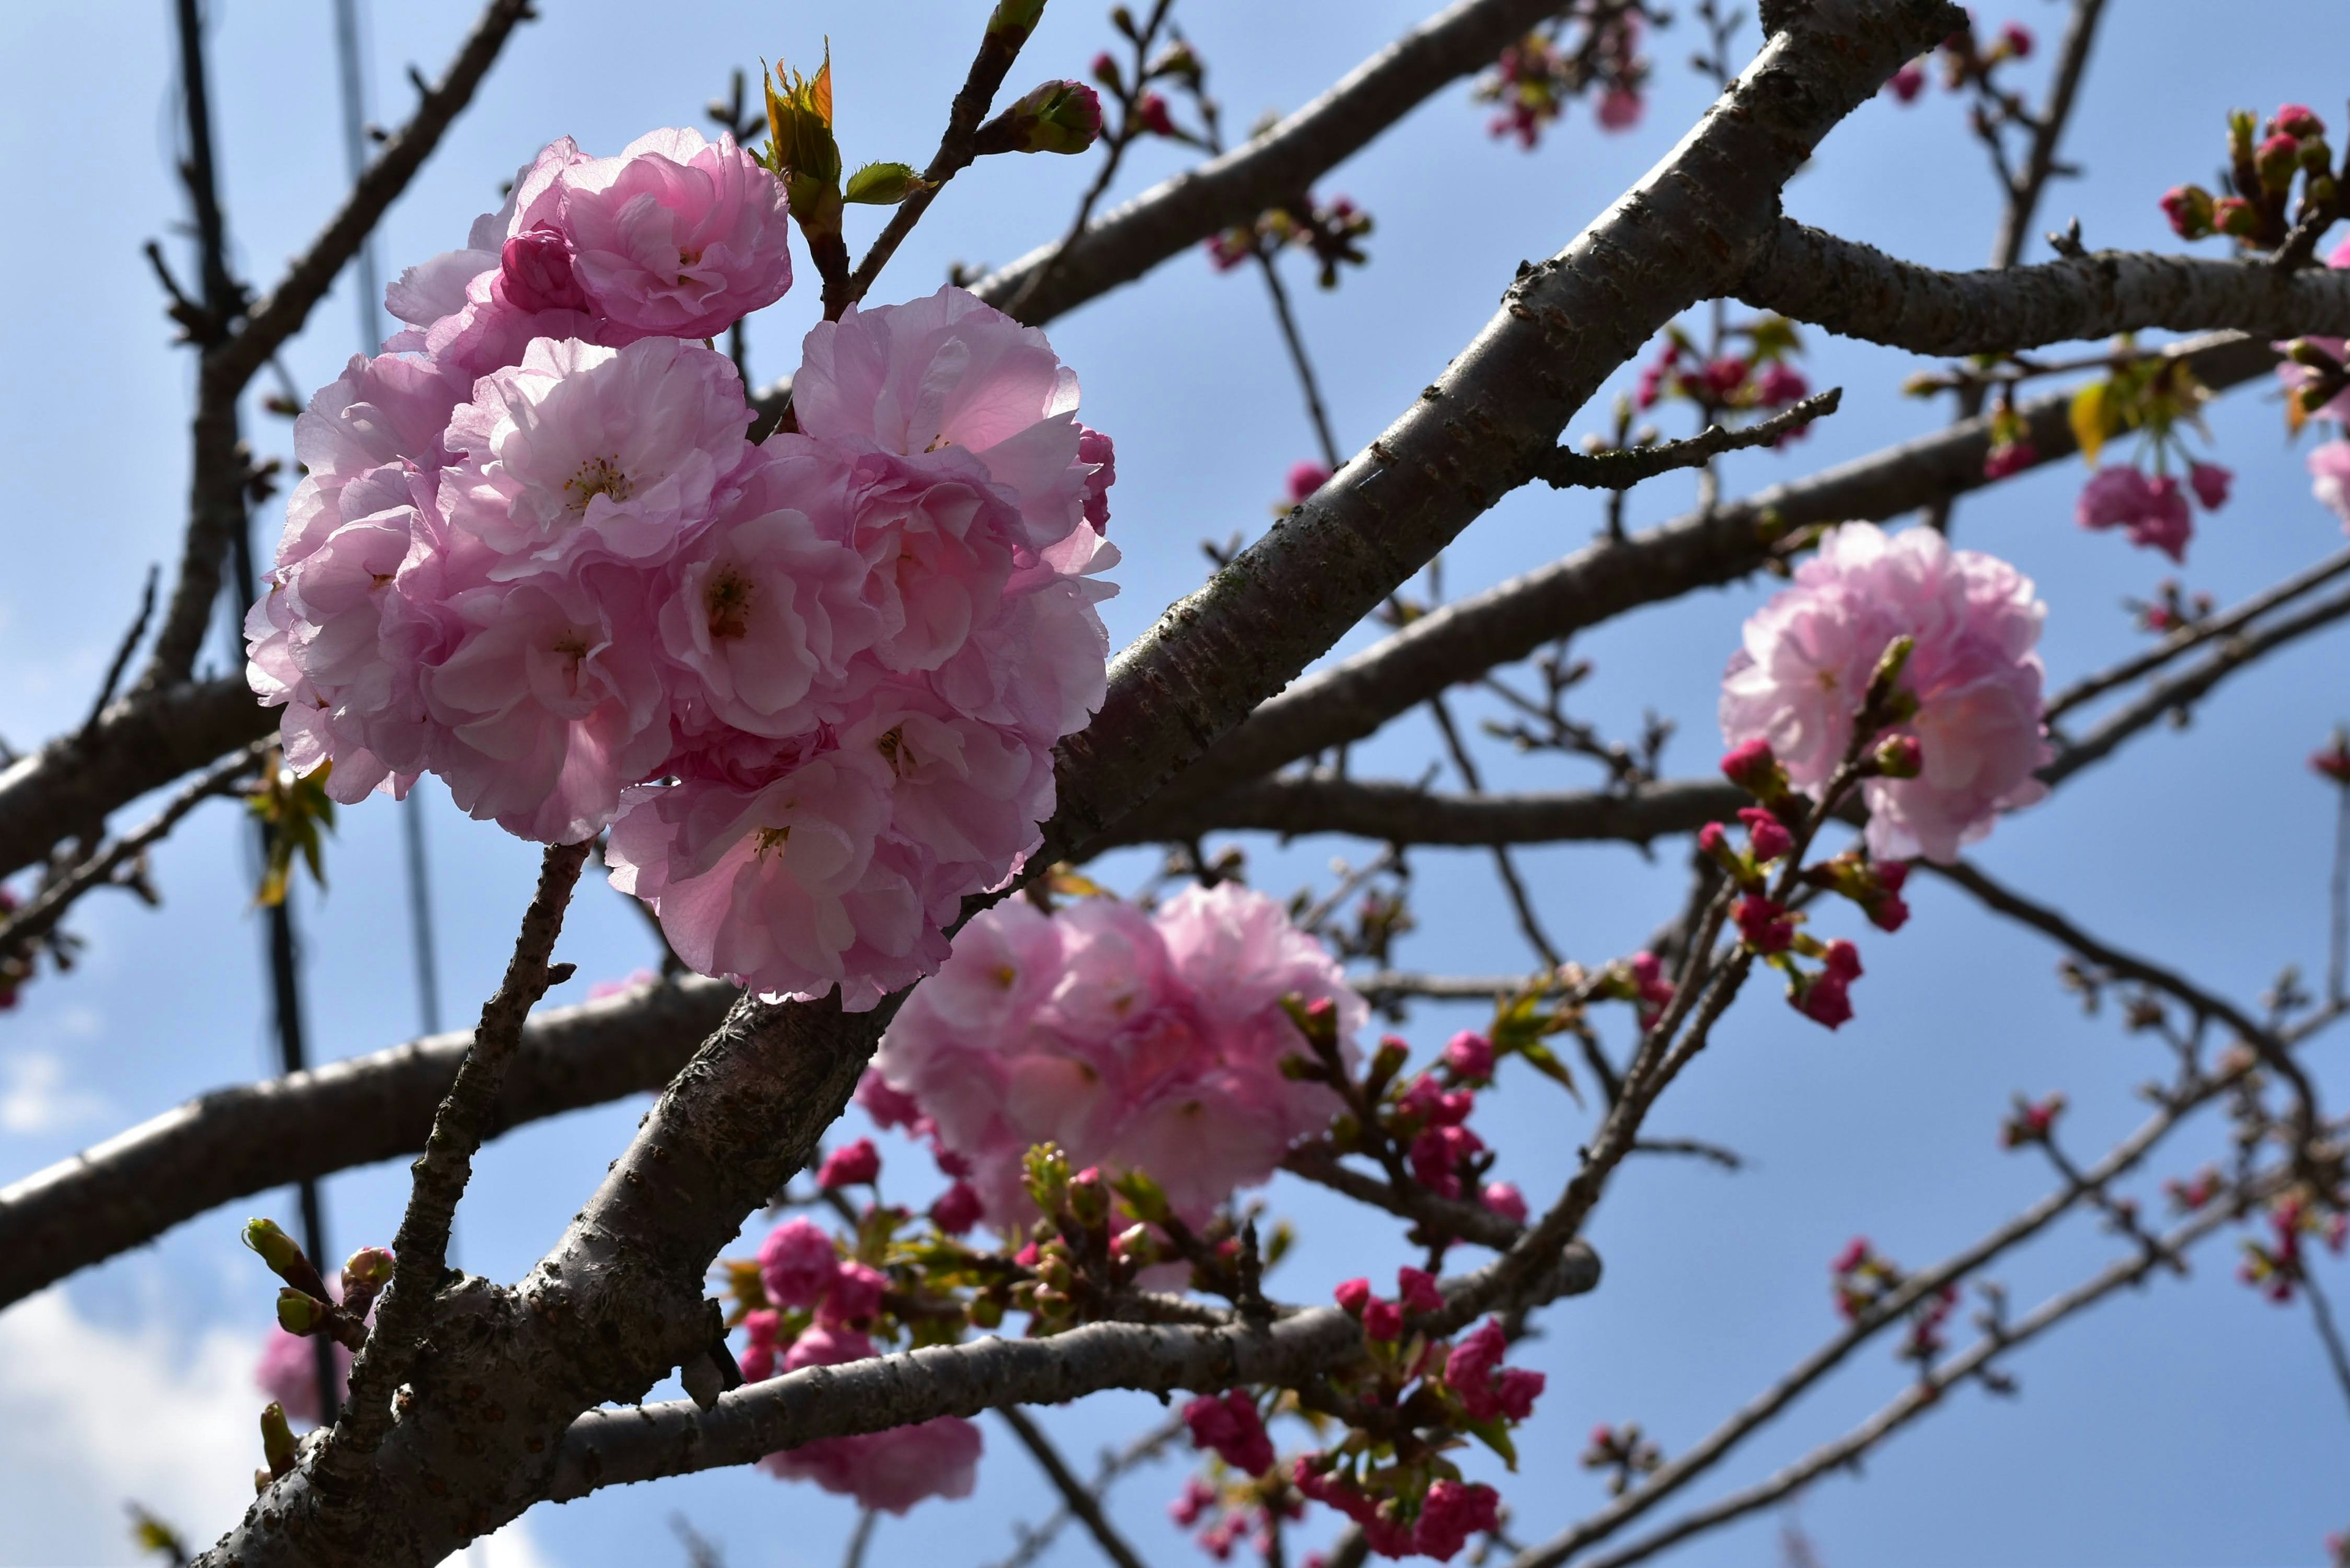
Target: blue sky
2188 1424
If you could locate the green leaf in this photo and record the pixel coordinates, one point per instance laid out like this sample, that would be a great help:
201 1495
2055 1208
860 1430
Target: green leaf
1546 1062
883 185
1496 1437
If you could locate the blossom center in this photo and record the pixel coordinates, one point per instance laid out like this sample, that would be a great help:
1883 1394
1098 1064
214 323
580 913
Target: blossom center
597 476
772 840
895 752
726 602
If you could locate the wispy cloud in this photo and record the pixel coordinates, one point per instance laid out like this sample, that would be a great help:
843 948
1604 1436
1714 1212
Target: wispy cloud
35 1098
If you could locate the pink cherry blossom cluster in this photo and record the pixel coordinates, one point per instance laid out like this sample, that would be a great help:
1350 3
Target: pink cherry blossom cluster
1807 657
822 1310
2152 508
2326 385
811 685
1134 1040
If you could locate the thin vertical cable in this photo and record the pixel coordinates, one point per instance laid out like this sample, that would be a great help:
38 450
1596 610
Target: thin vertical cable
282 956
350 65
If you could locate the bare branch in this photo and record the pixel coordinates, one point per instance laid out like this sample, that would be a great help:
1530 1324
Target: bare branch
236 1142
1076 1496
1621 470
217 507
612 1447
1461 640
2178 694
1142 1450
419 1248
2195 635
1395 813
1177 214
37 918
1922 1396
2047 130
1856 291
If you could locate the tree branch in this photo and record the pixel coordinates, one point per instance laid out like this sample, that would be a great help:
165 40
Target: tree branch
612 1447
1924 1395
1621 470
217 489
1393 811
236 1142
1856 291
1076 1496
1461 640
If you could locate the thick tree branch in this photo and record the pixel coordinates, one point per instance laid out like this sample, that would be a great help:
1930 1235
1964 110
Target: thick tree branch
1461 640
236 1142
612 1447
1278 166
1396 812
1856 291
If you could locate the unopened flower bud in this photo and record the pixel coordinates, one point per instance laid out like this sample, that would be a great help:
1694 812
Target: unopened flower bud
2314 156
276 1439
1767 834
1152 113
366 1273
1145 1199
283 1254
2298 120
985 1312
1089 1197
299 1312
1105 71
2234 215
1135 1245
2275 162
1389 1060
1014 20
1884 682
1057 117
1899 757
1752 767
2189 208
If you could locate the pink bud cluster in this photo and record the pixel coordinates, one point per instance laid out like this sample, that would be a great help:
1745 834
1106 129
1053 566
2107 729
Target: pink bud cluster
1535 78
1450 1512
1134 1040
811 685
2276 1266
2152 509
2032 1121
1228 1425
1757 381
1965 59
1639 980
1803 672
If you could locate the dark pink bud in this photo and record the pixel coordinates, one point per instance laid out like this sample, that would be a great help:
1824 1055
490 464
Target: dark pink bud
1151 112
2210 483
1843 960
1781 384
1304 479
2016 39
2189 209
1763 923
1826 999
1619 109
2298 120
1908 82
1469 1055
854 1165
1854 1254
957 1210
1766 833
1505 1201
1382 1319
1751 766
1417 1290
1105 70
1352 1295
534 273
2012 458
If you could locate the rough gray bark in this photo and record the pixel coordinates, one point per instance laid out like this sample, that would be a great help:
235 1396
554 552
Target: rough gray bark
619 1302
608 1448
1396 812
1858 291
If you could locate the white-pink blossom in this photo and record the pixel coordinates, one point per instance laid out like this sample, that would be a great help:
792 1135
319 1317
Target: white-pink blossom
1808 654
949 373
585 454
1135 1040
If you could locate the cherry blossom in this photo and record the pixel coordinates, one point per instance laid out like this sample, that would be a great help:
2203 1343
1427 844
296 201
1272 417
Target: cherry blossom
1133 1040
1808 655
890 1470
2329 474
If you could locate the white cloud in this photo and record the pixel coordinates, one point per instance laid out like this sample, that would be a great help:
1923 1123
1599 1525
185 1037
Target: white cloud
33 1097
93 1417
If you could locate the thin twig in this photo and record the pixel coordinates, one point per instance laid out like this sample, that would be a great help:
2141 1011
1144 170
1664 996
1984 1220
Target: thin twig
2195 635
1076 1495
1307 381
2322 1312
421 1247
859 1539
1112 1468
1569 469
1504 866
49 905
128 646
1924 1395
